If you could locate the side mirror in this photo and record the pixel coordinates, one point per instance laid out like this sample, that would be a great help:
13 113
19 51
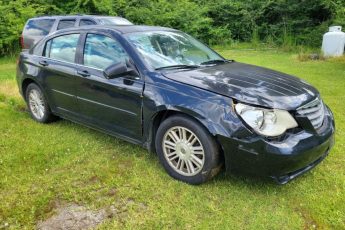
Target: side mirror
116 70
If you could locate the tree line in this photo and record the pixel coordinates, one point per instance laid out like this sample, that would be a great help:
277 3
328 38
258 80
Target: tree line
280 22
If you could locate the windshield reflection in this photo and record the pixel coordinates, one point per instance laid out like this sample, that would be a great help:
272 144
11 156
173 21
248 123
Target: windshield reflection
167 48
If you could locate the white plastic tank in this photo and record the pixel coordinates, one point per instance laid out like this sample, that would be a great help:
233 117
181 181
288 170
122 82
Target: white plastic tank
333 42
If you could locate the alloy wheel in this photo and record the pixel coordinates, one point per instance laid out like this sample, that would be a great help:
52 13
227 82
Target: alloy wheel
183 151
36 104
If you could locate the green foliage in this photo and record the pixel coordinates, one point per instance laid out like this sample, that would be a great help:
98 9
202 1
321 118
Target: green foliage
284 22
93 7
339 5
304 20
232 15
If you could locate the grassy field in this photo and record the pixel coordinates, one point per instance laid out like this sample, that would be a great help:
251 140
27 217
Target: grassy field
43 167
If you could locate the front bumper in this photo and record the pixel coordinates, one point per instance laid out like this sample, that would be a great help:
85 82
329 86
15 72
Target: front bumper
283 159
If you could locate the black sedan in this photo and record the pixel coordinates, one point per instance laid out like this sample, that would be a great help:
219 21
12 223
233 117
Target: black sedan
163 89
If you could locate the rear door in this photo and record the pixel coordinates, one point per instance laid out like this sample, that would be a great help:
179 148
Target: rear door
110 104
58 72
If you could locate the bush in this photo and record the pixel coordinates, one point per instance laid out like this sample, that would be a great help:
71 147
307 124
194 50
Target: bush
286 23
13 16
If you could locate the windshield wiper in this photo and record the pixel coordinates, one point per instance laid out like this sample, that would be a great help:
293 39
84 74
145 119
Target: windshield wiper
216 61
178 67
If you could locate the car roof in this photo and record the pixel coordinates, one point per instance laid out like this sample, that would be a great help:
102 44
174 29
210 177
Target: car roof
73 16
122 29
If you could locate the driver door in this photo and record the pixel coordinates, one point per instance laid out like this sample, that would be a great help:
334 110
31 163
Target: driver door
113 105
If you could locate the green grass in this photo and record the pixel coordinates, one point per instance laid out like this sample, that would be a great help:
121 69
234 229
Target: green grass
65 162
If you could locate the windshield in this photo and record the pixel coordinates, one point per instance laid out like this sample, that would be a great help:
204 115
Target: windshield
108 21
166 48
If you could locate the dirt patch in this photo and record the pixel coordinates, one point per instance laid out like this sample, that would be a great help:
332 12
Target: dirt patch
309 222
310 57
112 192
9 95
74 216
9 88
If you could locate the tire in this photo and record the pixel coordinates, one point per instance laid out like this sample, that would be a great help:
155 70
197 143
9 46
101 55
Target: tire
38 105
186 148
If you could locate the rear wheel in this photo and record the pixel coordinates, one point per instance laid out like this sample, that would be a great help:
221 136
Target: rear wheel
37 104
186 150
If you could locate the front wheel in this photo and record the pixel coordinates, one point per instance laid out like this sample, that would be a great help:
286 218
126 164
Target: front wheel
186 150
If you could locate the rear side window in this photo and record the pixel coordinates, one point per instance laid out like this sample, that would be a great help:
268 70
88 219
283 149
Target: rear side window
62 48
86 22
63 24
38 27
101 51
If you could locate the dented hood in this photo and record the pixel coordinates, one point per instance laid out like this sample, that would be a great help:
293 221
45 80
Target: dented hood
250 84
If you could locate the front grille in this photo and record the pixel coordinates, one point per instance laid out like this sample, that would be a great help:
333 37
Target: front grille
315 112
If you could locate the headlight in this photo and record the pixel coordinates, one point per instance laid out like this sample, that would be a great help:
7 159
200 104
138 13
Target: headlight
267 122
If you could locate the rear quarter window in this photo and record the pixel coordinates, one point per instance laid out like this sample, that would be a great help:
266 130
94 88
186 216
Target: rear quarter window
38 27
62 48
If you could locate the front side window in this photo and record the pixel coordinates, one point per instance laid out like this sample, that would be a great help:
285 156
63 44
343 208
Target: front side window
39 27
63 24
101 51
167 48
62 48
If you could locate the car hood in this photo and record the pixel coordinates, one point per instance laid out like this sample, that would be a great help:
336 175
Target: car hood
250 84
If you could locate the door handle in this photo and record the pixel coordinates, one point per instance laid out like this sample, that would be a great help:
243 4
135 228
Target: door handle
43 63
83 73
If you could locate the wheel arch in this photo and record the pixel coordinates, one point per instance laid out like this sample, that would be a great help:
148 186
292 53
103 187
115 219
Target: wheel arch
25 83
165 113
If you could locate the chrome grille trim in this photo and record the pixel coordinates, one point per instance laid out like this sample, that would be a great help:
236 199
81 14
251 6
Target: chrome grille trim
315 112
